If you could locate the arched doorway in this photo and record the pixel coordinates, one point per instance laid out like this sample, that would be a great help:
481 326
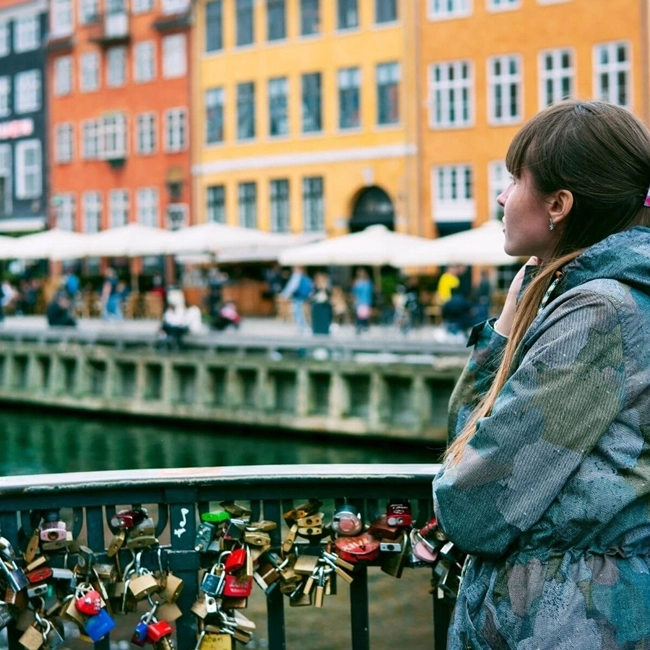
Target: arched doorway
373 206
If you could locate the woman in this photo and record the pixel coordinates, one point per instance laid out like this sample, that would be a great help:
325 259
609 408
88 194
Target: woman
546 483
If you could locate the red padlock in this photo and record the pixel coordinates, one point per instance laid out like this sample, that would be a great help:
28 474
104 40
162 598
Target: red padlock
89 603
235 561
236 587
157 630
41 574
398 513
363 547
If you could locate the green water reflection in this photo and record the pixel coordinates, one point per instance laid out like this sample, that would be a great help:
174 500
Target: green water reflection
47 442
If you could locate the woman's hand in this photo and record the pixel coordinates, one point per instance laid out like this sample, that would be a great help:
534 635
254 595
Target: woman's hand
504 324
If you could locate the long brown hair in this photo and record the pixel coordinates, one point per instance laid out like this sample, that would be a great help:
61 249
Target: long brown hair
601 154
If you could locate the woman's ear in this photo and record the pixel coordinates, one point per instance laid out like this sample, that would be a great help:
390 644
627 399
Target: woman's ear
559 205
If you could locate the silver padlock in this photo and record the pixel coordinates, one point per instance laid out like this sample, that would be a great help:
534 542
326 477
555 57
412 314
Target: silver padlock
16 578
5 615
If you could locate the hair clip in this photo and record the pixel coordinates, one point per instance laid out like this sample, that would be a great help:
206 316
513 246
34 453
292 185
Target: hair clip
646 203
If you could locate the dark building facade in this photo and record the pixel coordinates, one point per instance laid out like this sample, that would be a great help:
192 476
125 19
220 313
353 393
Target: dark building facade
23 116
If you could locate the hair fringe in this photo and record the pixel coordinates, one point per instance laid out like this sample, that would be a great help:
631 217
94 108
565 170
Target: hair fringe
525 314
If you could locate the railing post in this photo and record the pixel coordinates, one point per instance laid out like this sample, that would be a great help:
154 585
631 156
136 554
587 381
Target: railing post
359 610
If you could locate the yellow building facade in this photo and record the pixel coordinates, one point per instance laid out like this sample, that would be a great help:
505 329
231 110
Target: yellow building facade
489 65
303 114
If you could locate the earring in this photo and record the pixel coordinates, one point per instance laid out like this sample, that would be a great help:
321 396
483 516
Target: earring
551 225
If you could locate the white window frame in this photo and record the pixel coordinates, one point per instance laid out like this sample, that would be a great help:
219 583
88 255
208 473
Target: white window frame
174 56
91 209
505 81
176 129
498 182
63 76
503 5
91 148
176 216
141 6
5 96
64 142
612 69
116 67
452 204
170 7
5 41
556 75
448 9
65 211
144 61
114 136
61 17
146 133
118 207
147 202
447 93
27 33
24 188
89 72
88 11
27 91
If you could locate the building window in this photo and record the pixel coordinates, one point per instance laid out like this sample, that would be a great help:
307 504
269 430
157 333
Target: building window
312 204
503 5
62 19
247 205
244 17
170 7
88 11
214 119
278 106
90 140
146 205
349 98
276 20
175 129
388 78
280 205
64 151
556 76
142 6
216 200
5 43
144 61
213 26
27 33
309 17
499 179
452 95
63 76
65 211
89 80
347 14
312 118
443 9
245 111
612 67
114 136
146 133
91 205
504 94
5 96
116 67
5 180
385 11
177 216
29 169
118 208
27 92
174 56
453 193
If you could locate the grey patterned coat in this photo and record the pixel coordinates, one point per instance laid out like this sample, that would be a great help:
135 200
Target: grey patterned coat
551 498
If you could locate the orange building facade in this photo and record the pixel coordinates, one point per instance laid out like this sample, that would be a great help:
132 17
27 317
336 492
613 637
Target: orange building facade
119 128
489 65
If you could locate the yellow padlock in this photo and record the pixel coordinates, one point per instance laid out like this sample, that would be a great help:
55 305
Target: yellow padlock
212 641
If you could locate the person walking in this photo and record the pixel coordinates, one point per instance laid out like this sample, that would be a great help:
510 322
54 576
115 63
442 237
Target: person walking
298 289
546 482
362 294
321 306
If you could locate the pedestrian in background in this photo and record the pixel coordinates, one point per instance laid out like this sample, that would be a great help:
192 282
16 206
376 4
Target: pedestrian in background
298 289
362 294
321 306
110 297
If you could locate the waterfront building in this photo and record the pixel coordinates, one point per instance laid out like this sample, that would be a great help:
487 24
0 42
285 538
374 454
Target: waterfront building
23 141
303 114
489 65
119 113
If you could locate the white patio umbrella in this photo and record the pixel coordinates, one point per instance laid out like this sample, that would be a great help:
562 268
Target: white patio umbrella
374 246
482 246
44 245
132 240
7 246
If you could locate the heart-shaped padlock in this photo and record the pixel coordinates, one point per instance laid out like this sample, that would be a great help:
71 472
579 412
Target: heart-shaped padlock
89 603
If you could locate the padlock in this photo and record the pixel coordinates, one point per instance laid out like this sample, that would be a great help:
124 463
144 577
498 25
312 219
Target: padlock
215 517
34 591
139 636
265 525
16 578
5 615
59 543
305 564
99 625
393 562
33 546
237 510
256 538
199 608
346 521
214 641
143 584
303 510
310 532
204 534
52 529
41 574
52 635
126 519
212 583
88 601
235 587
141 541
157 630
380 529
70 612
311 521
172 589
236 560
169 611
116 543
32 638
398 513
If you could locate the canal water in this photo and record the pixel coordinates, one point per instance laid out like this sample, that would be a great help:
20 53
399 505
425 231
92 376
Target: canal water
33 441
